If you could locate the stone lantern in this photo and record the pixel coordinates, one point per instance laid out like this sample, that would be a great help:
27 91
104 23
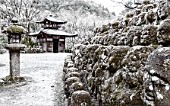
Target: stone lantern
14 32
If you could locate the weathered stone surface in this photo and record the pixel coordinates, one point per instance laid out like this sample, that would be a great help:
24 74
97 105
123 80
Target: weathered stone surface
14 52
71 74
157 77
149 35
15 47
163 10
136 57
120 65
133 36
147 7
80 98
76 86
164 32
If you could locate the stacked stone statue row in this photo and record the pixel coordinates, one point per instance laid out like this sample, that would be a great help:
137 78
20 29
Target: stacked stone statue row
74 88
122 75
127 62
145 25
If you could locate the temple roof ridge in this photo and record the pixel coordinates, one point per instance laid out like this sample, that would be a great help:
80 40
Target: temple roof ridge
52 19
53 32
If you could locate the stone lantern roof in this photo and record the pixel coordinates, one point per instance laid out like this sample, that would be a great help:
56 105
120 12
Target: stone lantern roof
14 20
15 29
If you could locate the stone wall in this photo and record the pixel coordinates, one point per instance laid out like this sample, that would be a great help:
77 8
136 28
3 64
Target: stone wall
126 63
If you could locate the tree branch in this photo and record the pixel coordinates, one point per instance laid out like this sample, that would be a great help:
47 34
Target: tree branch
126 4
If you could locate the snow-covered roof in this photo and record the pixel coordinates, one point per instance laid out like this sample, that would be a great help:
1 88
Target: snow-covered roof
53 32
52 19
57 32
34 33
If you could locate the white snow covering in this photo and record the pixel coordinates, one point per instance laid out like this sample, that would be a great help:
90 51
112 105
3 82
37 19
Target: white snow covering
57 32
3 7
83 104
167 87
137 47
154 78
146 75
54 19
81 92
35 33
72 69
1 81
70 64
80 84
152 71
149 103
77 52
159 96
167 60
103 56
151 87
54 32
155 9
160 49
43 71
131 96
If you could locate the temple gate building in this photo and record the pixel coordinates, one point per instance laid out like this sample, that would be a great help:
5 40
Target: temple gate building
50 38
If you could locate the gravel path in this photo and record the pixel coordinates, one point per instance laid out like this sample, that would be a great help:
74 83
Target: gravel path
45 86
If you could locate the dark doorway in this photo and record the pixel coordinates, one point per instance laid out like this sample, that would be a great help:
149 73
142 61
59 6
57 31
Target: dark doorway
55 45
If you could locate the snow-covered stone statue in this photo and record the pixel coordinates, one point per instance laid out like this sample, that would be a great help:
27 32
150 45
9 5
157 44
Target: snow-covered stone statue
124 63
163 10
164 33
156 78
149 35
80 98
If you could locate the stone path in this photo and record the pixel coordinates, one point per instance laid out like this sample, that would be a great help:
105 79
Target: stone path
45 86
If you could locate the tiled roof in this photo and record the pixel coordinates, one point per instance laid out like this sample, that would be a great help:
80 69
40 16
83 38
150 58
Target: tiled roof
52 19
53 32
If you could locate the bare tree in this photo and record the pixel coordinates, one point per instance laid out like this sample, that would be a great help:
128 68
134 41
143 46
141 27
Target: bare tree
30 10
130 4
24 10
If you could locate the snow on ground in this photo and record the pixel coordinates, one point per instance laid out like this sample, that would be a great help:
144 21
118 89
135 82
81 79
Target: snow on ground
45 87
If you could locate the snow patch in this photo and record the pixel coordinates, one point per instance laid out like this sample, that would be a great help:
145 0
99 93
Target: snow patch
131 96
103 56
137 47
160 49
167 87
154 78
1 81
57 32
152 71
159 96
150 103
77 52
151 87
146 75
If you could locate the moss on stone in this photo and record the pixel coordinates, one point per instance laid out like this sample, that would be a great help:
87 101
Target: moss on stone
15 29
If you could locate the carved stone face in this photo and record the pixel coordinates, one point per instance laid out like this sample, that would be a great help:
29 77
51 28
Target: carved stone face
149 35
163 10
133 36
163 35
147 8
141 19
151 17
